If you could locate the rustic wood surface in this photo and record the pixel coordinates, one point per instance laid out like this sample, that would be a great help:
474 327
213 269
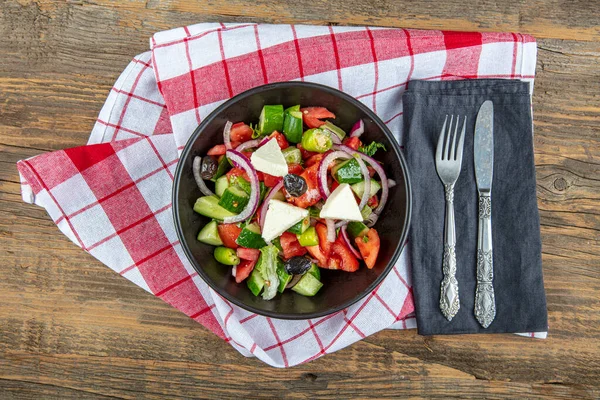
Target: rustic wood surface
67 325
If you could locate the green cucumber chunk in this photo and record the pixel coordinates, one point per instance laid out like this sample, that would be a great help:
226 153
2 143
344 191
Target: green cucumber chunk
234 199
292 155
246 187
284 277
359 188
366 211
268 271
222 168
335 129
209 207
357 229
292 126
295 108
210 235
308 285
300 227
221 184
316 140
279 196
309 237
314 271
255 282
277 244
348 172
315 211
226 256
250 237
271 119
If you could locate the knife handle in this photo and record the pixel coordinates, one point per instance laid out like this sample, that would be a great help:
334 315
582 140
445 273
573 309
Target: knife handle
449 301
485 303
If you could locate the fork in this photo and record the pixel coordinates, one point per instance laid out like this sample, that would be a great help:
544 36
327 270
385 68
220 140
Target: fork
448 159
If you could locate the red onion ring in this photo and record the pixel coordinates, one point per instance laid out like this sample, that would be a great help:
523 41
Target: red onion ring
322 172
248 145
242 161
357 129
227 135
199 181
334 137
265 204
330 230
378 168
372 219
263 141
365 172
348 243
340 224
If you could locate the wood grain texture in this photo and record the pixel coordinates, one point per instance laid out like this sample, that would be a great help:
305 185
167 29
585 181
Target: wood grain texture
67 325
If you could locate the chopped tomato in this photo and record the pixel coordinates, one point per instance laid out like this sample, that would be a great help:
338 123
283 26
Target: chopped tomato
312 116
317 254
349 262
323 242
352 142
218 150
248 254
281 140
334 185
312 194
229 234
305 153
295 169
371 171
234 172
334 262
291 246
271 180
373 201
316 159
369 247
241 132
243 270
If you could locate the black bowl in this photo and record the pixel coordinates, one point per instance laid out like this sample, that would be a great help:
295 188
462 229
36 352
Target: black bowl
340 289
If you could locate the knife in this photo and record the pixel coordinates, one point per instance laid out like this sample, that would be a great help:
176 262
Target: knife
483 147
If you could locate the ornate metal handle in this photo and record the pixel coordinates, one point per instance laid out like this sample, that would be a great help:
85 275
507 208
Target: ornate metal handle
485 303
449 301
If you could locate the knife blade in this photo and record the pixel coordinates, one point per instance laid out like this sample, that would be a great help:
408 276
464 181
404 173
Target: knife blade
483 148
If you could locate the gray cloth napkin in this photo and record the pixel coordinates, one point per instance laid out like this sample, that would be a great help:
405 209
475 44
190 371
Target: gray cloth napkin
518 281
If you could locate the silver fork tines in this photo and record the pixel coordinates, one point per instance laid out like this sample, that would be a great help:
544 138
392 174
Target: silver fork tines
448 159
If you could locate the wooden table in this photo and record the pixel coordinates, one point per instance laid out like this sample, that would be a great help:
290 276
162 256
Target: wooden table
67 327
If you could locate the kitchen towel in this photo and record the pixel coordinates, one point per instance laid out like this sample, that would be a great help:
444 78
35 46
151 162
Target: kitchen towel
164 93
517 258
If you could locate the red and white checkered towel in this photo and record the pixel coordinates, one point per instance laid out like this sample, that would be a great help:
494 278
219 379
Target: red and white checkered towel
113 197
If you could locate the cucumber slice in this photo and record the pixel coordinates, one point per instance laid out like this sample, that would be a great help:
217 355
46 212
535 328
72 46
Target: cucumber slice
292 155
277 243
234 199
314 271
250 237
271 119
315 211
357 229
335 129
359 188
292 126
366 211
210 235
221 184
209 207
308 285
245 186
279 196
348 172
284 277
309 237
255 282
222 168
295 108
300 227
226 256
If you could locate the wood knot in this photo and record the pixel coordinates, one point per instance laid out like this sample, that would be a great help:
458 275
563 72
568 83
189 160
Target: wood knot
309 377
560 184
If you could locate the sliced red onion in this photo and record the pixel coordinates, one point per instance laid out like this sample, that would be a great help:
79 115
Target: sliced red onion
330 230
391 183
263 141
341 223
357 129
322 172
372 219
265 205
199 181
378 168
349 243
248 145
227 135
334 137
242 162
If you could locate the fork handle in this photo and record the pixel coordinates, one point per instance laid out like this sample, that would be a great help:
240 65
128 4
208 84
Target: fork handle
485 303
449 301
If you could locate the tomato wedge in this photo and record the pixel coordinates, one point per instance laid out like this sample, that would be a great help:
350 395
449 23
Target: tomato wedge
295 169
312 116
305 153
317 254
243 270
334 262
349 262
234 172
291 246
248 254
217 150
369 247
373 201
241 132
352 142
281 140
271 180
229 234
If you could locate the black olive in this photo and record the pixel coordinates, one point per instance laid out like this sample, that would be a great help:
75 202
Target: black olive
295 185
297 265
209 167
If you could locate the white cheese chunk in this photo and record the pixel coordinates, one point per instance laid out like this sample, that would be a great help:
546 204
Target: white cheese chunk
269 159
341 204
280 217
